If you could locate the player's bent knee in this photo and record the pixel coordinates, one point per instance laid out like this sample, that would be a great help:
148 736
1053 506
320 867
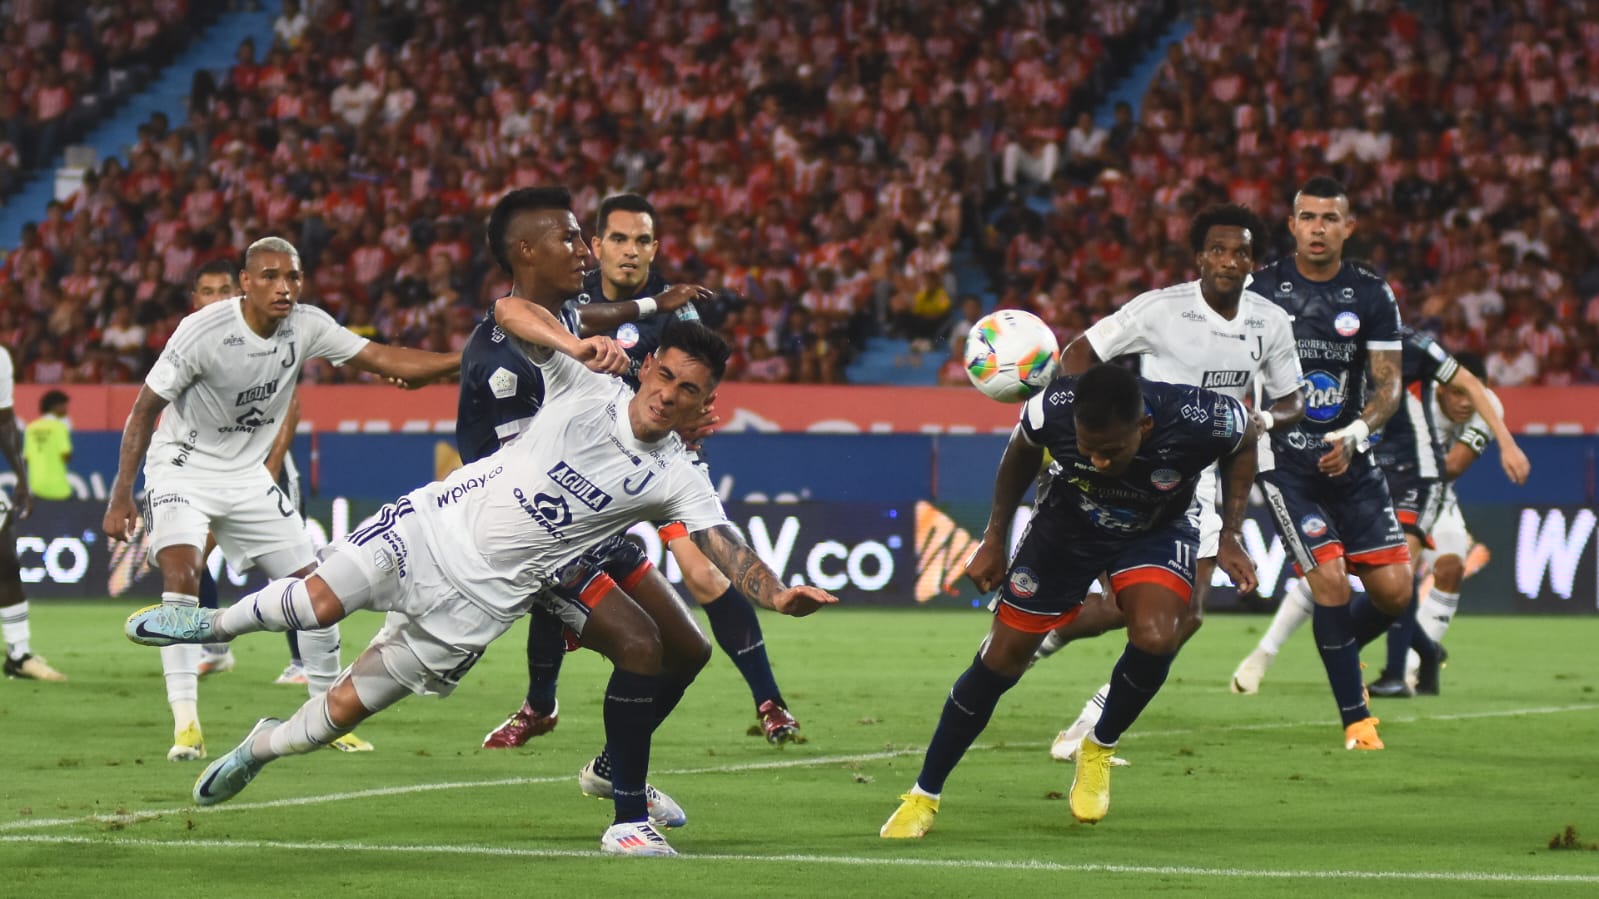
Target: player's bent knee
1448 572
345 708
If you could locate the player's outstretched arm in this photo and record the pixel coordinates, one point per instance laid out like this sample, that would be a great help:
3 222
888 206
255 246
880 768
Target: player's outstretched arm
533 324
11 448
728 552
1017 469
412 368
1237 475
120 511
1511 458
603 318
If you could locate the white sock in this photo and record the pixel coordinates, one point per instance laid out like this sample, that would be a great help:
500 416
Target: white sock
1094 707
917 790
1437 612
1292 614
282 605
14 627
181 665
319 653
307 730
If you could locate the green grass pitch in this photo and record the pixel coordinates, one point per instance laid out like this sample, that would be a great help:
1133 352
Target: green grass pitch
1226 795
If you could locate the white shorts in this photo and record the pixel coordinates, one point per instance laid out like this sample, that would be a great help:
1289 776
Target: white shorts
250 517
1209 519
433 634
1449 534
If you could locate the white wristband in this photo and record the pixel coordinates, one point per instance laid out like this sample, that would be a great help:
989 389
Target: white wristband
1265 420
1357 435
646 306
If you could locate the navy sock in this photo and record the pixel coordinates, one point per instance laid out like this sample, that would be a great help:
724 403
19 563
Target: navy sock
1134 681
966 712
1340 655
546 649
671 693
738 631
208 588
629 719
294 647
1425 646
1368 621
1400 635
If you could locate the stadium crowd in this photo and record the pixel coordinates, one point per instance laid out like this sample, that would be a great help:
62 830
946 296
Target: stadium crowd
825 171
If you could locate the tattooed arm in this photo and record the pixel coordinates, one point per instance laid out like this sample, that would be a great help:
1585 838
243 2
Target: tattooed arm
1386 389
725 549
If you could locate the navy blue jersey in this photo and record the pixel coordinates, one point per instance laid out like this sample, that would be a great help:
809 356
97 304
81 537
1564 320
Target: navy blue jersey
1407 441
638 338
1193 428
1337 324
501 391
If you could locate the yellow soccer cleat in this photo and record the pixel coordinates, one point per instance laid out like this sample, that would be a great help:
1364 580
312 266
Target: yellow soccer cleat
351 743
1090 794
912 819
188 744
1363 735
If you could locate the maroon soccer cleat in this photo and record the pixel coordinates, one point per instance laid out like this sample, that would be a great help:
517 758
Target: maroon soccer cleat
779 725
523 725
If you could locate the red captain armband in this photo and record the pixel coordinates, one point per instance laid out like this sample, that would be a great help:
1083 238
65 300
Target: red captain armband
674 531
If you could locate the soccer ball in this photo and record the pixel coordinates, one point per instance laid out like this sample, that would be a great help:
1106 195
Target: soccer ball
1010 355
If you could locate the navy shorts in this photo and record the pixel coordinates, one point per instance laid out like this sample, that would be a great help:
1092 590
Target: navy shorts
616 561
1060 556
1321 518
1418 501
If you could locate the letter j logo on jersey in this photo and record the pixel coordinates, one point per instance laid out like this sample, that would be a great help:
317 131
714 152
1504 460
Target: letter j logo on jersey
1347 324
1313 526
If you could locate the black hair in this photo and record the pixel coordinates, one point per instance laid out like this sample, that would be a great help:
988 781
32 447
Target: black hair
1227 215
50 400
621 203
1473 363
1324 187
215 267
698 342
513 204
1107 396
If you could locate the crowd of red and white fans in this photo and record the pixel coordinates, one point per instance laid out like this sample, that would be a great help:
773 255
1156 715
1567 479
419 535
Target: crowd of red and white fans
825 167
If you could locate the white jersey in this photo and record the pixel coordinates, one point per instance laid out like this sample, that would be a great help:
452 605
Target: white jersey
1184 341
502 527
229 387
7 379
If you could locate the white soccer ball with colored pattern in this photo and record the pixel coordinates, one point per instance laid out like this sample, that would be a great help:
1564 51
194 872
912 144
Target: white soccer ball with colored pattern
1011 355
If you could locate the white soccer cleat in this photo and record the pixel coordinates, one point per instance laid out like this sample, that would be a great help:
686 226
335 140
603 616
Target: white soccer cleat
1251 670
664 810
292 676
634 838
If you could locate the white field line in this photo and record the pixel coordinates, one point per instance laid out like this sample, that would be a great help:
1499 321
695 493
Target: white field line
803 762
188 846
